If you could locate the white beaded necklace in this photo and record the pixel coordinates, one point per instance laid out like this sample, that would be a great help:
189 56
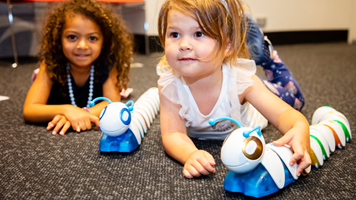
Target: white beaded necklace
91 86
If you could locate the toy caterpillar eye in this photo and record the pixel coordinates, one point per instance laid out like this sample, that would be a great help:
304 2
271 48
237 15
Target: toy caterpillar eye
252 148
125 116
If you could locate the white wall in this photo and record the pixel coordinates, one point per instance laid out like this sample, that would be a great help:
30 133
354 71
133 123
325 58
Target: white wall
288 15
152 8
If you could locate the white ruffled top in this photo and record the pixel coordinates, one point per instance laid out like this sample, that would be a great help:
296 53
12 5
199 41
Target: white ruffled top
235 81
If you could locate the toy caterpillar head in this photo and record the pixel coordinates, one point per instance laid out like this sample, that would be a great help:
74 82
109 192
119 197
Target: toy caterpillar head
115 118
243 149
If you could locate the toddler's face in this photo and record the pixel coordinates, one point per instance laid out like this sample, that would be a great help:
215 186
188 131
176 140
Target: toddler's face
82 40
187 49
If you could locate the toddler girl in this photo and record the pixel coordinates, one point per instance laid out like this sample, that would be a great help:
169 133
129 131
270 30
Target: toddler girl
206 74
85 53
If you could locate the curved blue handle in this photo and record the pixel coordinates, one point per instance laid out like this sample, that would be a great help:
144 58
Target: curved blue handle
92 103
130 105
257 129
213 121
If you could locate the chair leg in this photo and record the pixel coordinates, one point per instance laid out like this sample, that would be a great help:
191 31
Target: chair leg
10 17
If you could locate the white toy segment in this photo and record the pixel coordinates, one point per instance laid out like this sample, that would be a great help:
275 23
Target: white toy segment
339 117
152 99
274 166
145 109
327 133
338 130
318 114
308 169
285 154
322 139
141 119
144 114
136 132
148 103
138 125
314 145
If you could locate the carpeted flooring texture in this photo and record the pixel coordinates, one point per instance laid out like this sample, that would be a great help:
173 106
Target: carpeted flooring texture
37 165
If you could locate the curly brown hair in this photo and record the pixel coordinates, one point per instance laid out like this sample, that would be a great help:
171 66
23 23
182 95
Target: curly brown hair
117 45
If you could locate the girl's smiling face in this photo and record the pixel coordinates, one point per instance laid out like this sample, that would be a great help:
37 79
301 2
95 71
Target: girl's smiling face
82 40
187 49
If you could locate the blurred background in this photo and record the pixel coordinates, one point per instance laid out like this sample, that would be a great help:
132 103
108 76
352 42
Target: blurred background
284 22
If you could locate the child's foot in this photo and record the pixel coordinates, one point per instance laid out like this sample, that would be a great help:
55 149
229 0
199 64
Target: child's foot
267 50
254 40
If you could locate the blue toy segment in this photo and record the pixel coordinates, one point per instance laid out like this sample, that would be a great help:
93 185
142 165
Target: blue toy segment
256 183
126 142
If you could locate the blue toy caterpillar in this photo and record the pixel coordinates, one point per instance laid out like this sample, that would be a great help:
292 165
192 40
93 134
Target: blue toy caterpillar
257 169
124 125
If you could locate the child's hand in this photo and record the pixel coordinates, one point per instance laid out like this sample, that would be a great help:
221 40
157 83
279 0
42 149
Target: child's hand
200 162
80 119
58 122
300 143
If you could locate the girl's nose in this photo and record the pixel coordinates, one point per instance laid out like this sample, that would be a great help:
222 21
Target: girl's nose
82 44
185 45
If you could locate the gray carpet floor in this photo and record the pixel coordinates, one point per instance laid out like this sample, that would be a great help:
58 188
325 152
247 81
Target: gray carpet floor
37 165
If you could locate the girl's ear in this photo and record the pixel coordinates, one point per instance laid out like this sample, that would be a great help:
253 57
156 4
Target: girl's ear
227 50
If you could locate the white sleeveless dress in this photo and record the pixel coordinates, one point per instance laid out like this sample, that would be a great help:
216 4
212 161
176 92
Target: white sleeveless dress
235 80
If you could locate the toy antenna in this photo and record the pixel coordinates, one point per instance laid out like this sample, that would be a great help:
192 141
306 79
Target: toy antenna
257 129
213 121
130 105
92 103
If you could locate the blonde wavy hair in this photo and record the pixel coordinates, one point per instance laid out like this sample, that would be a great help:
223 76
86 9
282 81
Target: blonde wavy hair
227 25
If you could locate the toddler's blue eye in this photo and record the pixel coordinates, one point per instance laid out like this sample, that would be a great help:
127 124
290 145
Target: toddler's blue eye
175 35
199 34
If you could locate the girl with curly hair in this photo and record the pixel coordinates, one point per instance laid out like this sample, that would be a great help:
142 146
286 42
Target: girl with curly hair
85 53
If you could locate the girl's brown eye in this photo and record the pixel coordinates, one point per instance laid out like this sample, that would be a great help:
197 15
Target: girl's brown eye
71 37
93 38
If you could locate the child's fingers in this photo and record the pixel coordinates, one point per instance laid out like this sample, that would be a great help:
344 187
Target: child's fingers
203 166
305 163
86 124
82 125
210 158
59 125
187 174
50 125
54 121
95 120
78 128
65 128
297 155
283 140
192 171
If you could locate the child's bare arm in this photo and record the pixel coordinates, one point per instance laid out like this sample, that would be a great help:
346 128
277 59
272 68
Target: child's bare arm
291 123
178 145
36 110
